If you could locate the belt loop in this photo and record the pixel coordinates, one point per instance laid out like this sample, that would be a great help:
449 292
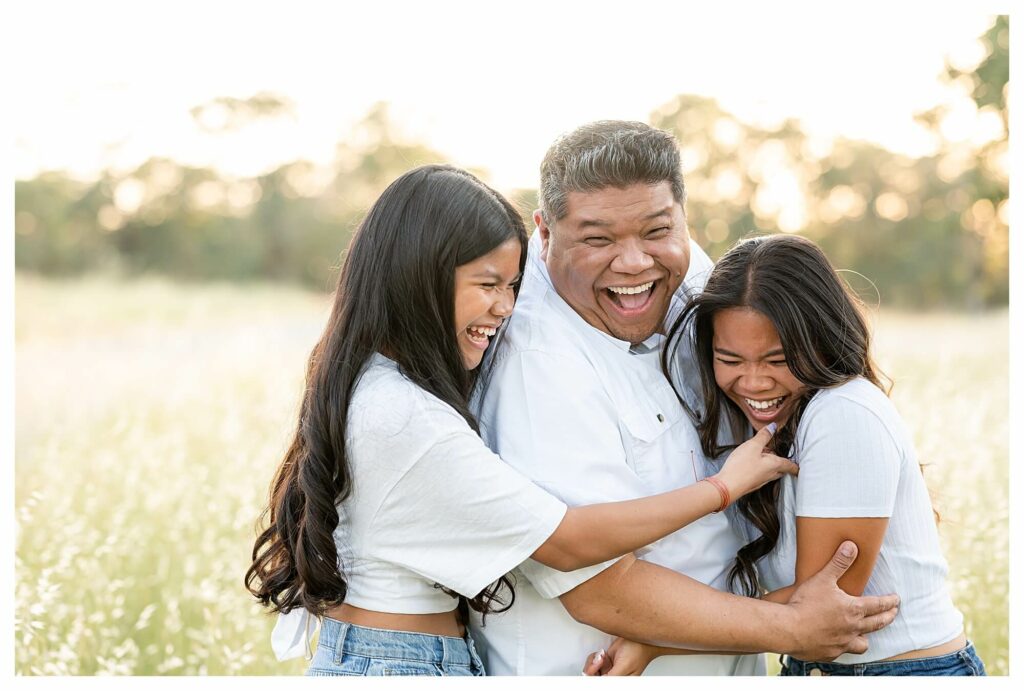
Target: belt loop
444 651
339 645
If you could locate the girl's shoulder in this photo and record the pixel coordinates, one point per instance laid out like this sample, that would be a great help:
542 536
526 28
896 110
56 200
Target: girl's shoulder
383 401
855 400
386 403
858 391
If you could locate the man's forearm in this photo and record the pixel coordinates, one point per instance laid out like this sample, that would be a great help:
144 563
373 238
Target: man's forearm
648 603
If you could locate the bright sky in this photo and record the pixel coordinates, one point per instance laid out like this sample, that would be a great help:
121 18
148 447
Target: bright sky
103 84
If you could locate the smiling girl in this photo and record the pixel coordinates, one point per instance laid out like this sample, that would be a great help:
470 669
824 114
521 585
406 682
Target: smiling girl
780 342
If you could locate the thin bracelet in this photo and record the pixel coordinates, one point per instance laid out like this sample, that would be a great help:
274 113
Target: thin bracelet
723 492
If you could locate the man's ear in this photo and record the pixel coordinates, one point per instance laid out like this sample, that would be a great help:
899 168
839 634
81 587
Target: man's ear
545 233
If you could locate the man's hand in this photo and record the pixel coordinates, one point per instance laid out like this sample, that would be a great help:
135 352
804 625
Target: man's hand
623 658
750 467
830 622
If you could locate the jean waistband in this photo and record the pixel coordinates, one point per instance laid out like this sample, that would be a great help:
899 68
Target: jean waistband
802 667
399 645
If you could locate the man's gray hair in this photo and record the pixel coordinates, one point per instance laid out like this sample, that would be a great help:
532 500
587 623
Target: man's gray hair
607 153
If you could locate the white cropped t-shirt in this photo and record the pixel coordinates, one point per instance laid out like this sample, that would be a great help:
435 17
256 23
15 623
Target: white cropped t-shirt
430 506
857 460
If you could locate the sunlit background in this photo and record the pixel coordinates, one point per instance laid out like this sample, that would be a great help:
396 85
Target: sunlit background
188 175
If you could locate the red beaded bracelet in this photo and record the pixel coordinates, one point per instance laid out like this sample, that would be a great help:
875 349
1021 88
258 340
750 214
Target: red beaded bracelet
723 492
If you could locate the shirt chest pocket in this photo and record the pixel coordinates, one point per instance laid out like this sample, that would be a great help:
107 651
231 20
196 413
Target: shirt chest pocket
646 441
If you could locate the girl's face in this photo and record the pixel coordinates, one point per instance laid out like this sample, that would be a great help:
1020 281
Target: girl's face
484 298
750 367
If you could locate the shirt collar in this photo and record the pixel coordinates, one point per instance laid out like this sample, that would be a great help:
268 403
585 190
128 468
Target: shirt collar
652 344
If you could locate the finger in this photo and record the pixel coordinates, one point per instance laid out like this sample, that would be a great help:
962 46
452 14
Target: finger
857 646
841 561
878 604
877 621
764 434
619 669
594 662
761 437
783 465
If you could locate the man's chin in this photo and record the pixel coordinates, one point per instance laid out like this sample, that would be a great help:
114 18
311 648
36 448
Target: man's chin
635 328
634 334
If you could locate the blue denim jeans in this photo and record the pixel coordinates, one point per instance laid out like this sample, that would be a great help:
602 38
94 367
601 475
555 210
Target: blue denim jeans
348 650
963 663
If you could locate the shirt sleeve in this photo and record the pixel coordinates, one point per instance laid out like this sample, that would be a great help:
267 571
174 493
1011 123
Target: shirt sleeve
849 462
573 448
460 517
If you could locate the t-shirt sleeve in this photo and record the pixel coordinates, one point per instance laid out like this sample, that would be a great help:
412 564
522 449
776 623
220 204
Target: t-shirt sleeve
573 447
849 462
460 517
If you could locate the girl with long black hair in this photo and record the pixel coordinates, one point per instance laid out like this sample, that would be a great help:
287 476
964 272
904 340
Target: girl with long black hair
388 515
780 341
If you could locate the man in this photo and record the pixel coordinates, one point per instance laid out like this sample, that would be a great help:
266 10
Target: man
575 399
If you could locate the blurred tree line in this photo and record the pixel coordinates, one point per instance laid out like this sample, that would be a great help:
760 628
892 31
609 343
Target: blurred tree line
290 224
927 232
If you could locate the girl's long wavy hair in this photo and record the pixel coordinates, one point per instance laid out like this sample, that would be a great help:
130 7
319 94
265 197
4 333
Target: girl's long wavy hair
395 295
825 339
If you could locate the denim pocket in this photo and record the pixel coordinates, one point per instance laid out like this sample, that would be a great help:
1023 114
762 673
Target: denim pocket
403 668
326 664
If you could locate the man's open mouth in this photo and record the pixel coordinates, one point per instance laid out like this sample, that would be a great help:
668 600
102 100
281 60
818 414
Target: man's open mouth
631 298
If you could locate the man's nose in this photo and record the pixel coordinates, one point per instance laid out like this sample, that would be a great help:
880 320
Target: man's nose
631 259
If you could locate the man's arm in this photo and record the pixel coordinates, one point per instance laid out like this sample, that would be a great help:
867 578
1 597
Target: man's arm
645 602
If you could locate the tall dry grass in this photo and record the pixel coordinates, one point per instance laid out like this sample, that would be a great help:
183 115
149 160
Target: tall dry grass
151 415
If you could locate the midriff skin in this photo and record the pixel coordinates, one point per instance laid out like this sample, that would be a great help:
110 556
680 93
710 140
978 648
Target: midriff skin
939 650
440 624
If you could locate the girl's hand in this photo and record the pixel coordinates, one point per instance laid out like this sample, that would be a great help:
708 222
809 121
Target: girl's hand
748 467
623 658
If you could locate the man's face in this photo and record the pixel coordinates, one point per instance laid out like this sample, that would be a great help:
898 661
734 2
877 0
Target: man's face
618 255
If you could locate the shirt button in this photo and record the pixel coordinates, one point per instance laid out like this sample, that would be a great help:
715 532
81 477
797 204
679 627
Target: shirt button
815 673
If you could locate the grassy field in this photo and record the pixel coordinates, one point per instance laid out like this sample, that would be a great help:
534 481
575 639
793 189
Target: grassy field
151 415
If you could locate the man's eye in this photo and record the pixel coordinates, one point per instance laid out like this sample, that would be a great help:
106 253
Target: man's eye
596 241
658 232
